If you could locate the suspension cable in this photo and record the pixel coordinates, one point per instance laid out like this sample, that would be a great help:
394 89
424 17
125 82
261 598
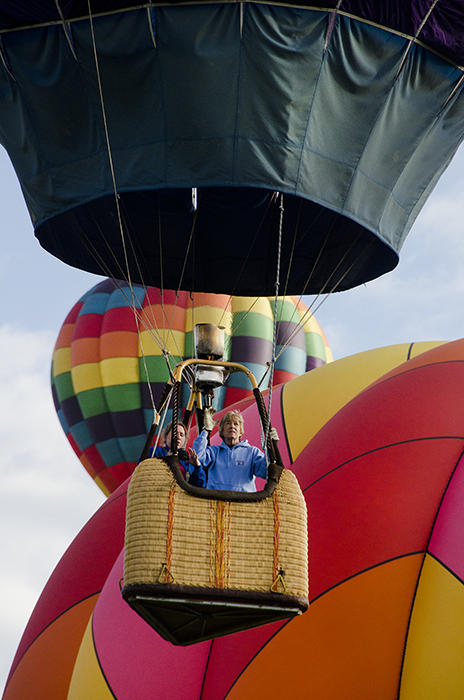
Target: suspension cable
274 340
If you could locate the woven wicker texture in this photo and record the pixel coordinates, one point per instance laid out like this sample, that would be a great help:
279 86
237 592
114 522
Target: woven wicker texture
174 537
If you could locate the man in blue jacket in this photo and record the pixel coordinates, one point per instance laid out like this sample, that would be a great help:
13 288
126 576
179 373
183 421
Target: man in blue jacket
234 464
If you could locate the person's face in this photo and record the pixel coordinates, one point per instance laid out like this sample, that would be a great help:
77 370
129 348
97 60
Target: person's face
232 431
181 438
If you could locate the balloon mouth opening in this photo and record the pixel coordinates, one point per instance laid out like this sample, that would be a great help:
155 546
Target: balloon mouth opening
166 242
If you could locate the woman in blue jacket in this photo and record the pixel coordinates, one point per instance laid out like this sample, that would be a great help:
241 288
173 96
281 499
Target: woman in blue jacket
234 464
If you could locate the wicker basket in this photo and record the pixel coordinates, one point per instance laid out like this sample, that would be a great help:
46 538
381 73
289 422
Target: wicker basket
250 556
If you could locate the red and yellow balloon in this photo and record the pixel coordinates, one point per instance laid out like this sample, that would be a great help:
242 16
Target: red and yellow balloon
380 460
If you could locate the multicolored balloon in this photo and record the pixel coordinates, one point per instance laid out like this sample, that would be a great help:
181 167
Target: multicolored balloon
383 478
109 366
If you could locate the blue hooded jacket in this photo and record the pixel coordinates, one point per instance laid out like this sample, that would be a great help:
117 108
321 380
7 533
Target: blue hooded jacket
230 468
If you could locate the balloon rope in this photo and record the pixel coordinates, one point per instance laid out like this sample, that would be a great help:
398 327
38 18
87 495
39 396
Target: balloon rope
108 145
249 251
414 39
292 252
137 317
132 302
309 310
308 279
286 283
274 340
161 343
66 29
230 300
235 328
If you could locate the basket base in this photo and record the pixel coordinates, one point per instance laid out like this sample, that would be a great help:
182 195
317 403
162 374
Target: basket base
185 617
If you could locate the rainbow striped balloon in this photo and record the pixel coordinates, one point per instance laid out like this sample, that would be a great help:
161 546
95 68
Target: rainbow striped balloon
109 363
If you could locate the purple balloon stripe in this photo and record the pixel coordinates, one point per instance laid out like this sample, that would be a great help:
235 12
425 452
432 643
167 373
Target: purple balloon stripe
118 424
250 349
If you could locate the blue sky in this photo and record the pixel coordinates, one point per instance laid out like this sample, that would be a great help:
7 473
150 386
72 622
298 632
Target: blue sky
46 496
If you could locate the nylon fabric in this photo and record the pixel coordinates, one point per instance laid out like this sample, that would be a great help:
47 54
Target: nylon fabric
355 135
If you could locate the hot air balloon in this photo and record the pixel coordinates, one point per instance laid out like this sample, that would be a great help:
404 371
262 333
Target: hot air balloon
381 469
230 148
191 146
109 367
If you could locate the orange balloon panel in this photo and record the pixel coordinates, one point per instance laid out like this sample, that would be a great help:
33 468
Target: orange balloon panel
85 350
47 665
348 646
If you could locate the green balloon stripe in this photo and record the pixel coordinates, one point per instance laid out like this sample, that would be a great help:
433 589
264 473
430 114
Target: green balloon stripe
64 386
315 346
252 325
120 397
156 368
286 311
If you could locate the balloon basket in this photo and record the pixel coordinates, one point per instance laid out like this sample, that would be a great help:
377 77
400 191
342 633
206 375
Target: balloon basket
201 564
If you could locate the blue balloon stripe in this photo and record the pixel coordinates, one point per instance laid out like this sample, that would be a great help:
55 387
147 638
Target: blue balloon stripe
63 421
122 297
240 381
110 451
82 436
292 360
125 449
95 304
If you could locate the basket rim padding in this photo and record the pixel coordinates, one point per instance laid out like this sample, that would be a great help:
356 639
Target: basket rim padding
273 477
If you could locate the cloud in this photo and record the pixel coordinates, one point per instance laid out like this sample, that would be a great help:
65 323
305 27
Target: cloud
46 496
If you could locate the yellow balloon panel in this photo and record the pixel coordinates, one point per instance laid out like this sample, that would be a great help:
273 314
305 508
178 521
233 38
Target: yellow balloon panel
87 681
260 305
348 646
61 361
434 659
153 342
119 370
209 314
111 372
327 389
86 377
